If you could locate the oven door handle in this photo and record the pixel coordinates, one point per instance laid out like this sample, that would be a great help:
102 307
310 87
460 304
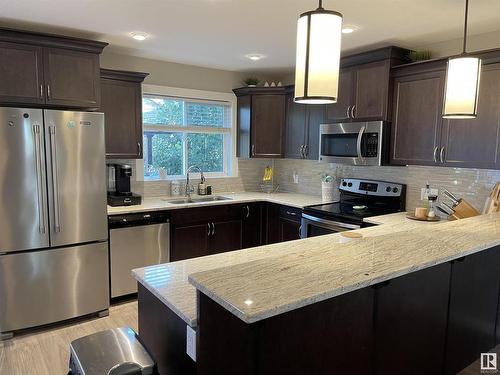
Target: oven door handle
358 144
330 223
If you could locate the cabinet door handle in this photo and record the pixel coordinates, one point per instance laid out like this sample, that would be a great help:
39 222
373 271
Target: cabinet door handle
348 113
253 150
139 148
301 151
353 113
291 213
434 154
48 91
441 155
306 151
41 91
248 211
208 232
213 229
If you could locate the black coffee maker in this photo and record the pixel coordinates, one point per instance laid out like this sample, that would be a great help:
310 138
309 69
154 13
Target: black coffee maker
119 193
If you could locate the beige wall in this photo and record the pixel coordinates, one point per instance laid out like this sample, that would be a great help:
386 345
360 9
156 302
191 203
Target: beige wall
175 75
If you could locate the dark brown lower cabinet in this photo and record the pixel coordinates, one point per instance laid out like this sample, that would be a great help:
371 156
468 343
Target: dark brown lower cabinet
188 241
253 225
410 323
473 308
283 223
226 236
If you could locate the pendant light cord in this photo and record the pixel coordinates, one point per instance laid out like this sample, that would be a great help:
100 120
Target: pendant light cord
465 25
320 4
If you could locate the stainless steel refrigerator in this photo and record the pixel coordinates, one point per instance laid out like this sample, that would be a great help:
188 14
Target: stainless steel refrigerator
53 220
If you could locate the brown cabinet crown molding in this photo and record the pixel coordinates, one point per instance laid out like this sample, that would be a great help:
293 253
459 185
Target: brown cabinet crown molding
51 40
397 55
241 91
123 75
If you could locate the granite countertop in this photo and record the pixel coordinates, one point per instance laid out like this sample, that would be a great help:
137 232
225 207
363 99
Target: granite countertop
162 203
316 269
169 282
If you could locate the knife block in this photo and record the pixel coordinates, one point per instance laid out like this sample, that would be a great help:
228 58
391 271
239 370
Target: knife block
464 210
493 202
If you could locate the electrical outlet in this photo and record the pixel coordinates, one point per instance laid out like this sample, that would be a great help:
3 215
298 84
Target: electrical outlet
433 192
191 342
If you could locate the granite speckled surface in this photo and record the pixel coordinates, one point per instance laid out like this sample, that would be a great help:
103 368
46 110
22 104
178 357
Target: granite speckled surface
169 282
317 268
159 203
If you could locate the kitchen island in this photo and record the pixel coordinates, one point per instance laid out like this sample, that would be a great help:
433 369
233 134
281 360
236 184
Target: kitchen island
409 297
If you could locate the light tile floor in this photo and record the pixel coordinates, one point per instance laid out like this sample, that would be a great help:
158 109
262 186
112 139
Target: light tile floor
46 352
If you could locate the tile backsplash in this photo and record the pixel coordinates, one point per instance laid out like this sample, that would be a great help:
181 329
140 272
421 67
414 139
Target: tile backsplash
472 184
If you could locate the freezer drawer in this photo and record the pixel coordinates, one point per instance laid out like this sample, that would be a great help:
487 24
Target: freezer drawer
47 286
135 247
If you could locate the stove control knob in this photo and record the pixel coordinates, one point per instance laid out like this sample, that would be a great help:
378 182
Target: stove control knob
395 190
388 189
344 183
349 184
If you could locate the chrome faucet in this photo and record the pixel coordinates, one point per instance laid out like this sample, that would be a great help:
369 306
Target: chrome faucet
189 187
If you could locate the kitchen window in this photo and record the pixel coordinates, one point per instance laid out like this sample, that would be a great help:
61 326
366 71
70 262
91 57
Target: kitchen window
179 132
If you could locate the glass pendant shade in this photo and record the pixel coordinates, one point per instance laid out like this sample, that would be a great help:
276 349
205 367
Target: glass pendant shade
462 87
318 57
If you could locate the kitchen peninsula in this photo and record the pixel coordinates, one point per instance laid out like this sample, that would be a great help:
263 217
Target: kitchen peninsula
402 299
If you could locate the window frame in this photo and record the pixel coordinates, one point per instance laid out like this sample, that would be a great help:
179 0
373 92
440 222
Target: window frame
230 161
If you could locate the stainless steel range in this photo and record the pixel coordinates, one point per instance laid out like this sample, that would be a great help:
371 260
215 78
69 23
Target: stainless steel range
53 220
358 199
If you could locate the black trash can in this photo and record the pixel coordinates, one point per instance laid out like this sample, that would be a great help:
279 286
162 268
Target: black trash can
116 351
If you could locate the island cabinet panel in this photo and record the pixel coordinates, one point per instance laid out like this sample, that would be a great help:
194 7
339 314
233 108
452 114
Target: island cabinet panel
475 282
410 323
260 121
475 142
164 334
329 337
417 119
21 69
72 78
121 103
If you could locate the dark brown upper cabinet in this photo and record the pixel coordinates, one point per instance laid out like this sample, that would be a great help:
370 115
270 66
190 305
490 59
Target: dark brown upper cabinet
121 102
417 121
45 70
302 128
420 135
365 85
261 121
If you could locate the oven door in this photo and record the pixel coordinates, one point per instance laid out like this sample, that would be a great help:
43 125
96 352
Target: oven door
312 226
352 143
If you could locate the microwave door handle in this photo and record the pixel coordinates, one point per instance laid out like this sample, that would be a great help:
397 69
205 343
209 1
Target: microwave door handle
358 145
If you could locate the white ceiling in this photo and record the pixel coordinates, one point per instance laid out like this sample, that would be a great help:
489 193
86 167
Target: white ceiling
219 33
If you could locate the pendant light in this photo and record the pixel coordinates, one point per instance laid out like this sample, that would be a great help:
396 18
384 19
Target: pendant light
462 82
318 56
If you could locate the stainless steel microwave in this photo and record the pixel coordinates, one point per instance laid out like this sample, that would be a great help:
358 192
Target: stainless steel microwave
355 143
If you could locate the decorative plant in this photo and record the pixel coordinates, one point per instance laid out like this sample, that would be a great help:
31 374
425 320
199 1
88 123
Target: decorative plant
251 81
325 177
420 55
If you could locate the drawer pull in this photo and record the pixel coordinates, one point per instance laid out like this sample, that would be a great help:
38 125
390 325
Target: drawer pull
291 213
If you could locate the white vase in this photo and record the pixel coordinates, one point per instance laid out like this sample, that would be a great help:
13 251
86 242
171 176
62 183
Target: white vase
328 191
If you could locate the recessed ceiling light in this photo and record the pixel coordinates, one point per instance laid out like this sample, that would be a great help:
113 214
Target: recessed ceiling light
254 56
349 29
139 36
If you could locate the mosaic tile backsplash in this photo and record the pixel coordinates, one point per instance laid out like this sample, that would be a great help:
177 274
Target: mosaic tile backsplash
472 184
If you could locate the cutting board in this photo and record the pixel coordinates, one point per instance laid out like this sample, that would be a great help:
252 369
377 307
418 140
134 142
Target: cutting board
493 202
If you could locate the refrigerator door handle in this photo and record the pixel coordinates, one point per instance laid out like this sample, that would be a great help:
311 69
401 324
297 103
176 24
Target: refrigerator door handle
55 188
39 179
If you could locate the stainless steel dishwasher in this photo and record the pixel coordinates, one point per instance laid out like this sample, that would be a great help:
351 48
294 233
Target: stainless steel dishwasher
136 240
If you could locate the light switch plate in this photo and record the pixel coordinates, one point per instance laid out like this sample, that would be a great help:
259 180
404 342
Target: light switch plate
191 343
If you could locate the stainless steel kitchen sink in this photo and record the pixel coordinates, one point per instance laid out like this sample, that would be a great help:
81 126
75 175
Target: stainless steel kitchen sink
214 198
